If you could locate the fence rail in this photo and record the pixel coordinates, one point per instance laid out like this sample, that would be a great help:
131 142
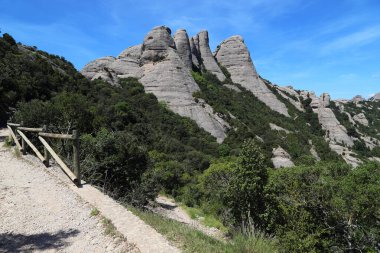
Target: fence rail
16 131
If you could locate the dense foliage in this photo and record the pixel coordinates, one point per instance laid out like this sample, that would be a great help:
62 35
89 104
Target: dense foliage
132 147
325 208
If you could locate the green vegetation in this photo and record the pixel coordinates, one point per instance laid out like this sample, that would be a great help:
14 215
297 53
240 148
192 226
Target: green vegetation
94 212
191 240
325 208
134 147
109 228
206 219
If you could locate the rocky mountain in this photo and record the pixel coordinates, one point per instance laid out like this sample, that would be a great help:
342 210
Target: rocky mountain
165 65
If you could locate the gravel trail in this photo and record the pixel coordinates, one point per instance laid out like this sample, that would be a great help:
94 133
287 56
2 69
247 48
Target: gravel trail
41 211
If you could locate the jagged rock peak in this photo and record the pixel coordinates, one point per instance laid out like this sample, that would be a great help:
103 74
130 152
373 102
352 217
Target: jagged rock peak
324 100
281 158
361 118
156 43
195 56
233 54
201 42
182 43
357 99
376 97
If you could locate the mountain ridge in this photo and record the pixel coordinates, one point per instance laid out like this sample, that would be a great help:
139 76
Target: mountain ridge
162 56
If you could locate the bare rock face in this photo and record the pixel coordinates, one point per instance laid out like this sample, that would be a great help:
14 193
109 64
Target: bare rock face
278 128
182 43
360 118
324 100
291 95
376 97
357 99
207 57
156 43
314 99
234 55
195 55
335 131
162 70
100 68
281 158
348 156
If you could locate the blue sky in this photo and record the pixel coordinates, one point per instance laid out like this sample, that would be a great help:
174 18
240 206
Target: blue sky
327 46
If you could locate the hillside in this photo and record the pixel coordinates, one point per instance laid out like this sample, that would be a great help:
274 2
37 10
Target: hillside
227 97
170 116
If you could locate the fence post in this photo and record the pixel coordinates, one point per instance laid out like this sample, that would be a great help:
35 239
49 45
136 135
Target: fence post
76 156
46 153
23 144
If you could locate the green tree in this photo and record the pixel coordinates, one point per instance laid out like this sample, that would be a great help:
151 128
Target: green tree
246 190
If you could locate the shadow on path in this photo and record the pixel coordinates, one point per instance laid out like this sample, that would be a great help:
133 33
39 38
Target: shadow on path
10 242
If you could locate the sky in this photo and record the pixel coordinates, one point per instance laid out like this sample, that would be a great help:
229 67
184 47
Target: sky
320 45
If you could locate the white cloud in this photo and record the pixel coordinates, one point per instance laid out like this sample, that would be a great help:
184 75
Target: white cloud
356 39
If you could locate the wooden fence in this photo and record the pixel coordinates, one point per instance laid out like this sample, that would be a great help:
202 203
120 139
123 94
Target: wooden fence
17 133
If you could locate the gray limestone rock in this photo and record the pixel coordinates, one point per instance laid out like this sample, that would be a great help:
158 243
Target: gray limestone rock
232 87
156 43
314 99
335 131
376 97
360 118
161 69
357 99
195 56
324 100
234 55
100 68
133 52
207 57
281 158
182 44
348 156
171 82
284 91
95 67
278 128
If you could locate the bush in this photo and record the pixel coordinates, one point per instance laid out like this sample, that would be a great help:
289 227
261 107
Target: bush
325 208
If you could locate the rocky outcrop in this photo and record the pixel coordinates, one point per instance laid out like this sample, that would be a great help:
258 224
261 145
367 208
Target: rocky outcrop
281 158
313 151
336 133
314 104
291 95
360 118
156 45
348 156
201 42
182 43
100 69
376 97
195 56
324 100
357 99
278 128
162 71
234 55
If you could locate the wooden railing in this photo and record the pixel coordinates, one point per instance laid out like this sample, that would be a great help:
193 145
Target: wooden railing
17 133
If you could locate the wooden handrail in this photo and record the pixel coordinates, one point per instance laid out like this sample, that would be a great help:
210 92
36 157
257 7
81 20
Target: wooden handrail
39 155
57 136
75 174
29 129
14 138
66 169
13 124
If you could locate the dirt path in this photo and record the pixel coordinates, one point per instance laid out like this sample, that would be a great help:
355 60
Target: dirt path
168 207
42 211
